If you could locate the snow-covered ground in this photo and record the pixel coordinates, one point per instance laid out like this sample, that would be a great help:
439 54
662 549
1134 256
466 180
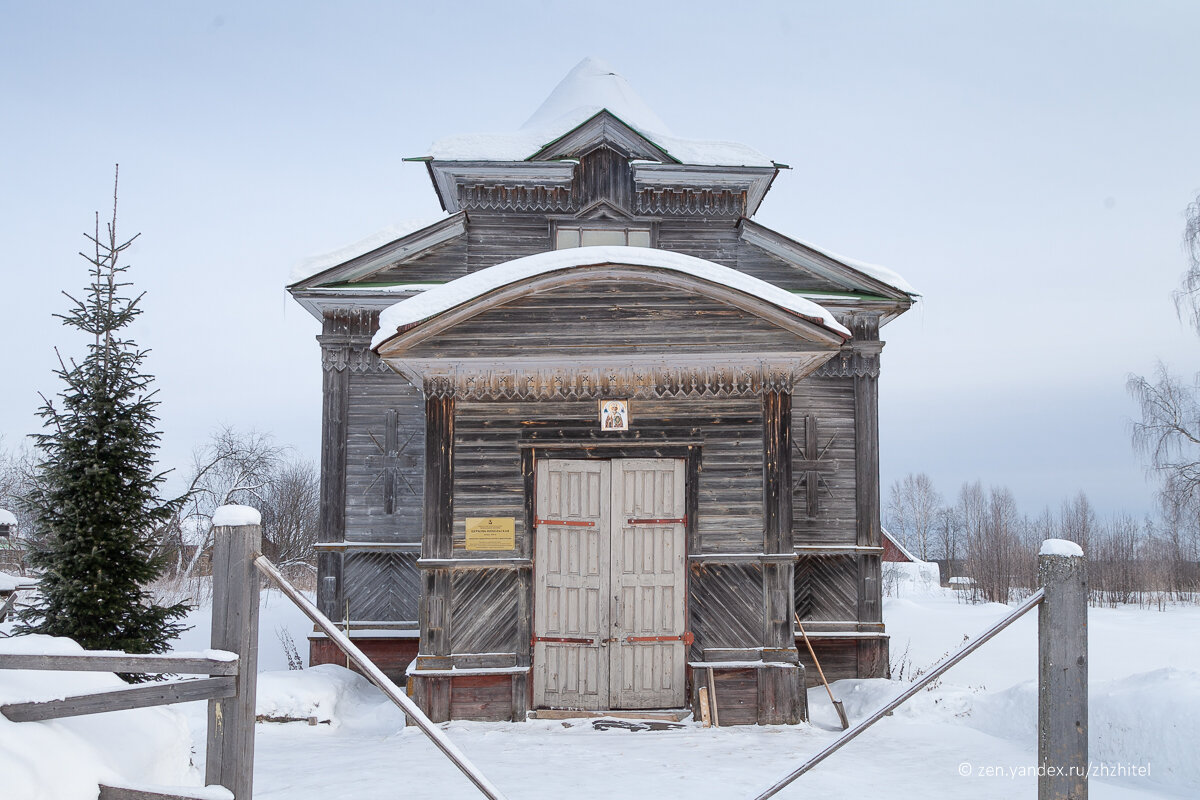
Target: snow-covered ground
972 734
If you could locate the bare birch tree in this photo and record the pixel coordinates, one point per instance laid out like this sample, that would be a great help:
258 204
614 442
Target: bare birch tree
913 508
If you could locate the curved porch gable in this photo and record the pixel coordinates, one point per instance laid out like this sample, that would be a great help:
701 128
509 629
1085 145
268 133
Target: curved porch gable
589 322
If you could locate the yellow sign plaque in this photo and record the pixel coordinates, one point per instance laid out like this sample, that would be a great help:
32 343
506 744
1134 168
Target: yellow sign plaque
491 533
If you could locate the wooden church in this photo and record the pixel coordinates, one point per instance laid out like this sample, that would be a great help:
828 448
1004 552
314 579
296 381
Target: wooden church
590 440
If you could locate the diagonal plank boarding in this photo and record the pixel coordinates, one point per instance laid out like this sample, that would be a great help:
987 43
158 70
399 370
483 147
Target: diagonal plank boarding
609 616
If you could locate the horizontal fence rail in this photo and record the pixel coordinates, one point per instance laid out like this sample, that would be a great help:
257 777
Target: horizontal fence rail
98 661
891 705
156 694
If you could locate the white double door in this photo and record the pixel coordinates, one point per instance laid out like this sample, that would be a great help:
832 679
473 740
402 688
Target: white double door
609 613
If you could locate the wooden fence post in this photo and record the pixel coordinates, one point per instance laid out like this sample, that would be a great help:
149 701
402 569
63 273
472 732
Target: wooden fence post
237 533
1062 673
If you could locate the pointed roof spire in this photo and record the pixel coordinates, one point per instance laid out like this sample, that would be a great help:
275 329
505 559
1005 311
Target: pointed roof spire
590 86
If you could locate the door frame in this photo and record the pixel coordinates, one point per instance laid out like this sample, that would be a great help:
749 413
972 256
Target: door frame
591 445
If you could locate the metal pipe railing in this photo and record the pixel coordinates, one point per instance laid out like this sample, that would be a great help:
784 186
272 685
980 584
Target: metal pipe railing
932 675
385 684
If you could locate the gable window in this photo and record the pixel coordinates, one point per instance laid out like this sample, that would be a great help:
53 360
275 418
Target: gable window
584 236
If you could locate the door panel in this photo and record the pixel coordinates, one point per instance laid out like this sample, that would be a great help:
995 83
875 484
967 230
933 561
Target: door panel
647 582
609 565
572 584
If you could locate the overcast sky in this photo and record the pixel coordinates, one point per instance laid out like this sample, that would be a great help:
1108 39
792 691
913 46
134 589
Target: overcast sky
1024 165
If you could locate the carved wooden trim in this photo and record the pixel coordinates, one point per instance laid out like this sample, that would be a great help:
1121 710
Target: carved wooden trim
690 202
850 363
339 355
514 381
498 197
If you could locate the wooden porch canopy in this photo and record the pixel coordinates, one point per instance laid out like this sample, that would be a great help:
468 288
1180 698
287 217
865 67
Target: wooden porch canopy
606 322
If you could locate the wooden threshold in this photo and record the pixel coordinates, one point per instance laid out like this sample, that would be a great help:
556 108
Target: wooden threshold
665 715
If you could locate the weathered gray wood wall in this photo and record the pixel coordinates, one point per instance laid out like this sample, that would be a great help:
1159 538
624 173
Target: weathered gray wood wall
374 426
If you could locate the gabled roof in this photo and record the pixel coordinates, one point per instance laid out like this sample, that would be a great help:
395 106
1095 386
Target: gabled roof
899 547
440 299
856 276
378 251
587 90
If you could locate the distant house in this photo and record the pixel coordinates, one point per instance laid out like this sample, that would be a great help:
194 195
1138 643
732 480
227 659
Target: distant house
596 431
893 550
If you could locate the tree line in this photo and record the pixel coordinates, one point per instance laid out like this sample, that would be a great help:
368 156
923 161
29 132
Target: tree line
981 534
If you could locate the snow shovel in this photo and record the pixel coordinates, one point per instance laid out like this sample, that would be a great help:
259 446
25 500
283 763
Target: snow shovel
837 704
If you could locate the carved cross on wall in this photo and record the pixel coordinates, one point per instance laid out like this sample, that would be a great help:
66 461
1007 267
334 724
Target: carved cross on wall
811 460
391 461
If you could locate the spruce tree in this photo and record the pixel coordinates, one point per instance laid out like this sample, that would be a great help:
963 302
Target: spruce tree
97 495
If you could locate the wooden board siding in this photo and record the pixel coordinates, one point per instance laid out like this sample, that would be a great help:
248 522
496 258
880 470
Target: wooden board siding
442 263
487 698
830 401
370 468
838 657
737 696
714 240
611 317
489 482
495 237
772 269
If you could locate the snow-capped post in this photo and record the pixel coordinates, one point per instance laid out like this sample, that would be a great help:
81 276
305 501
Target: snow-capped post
237 534
1062 672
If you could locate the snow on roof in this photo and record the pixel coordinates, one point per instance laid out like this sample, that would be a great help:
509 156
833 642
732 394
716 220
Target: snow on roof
456 292
881 274
592 86
315 265
7 517
896 542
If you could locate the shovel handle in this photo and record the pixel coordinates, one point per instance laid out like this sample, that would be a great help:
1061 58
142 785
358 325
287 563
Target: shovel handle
816 663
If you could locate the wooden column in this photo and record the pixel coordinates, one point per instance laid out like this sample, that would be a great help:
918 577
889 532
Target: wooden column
1062 673
777 521
230 755
520 683
866 346
780 689
334 410
437 542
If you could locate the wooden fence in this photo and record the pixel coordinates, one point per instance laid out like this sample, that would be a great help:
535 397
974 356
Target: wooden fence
231 668
230 688
1062 678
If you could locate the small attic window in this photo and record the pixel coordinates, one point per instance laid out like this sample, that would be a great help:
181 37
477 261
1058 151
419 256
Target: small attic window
583 236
